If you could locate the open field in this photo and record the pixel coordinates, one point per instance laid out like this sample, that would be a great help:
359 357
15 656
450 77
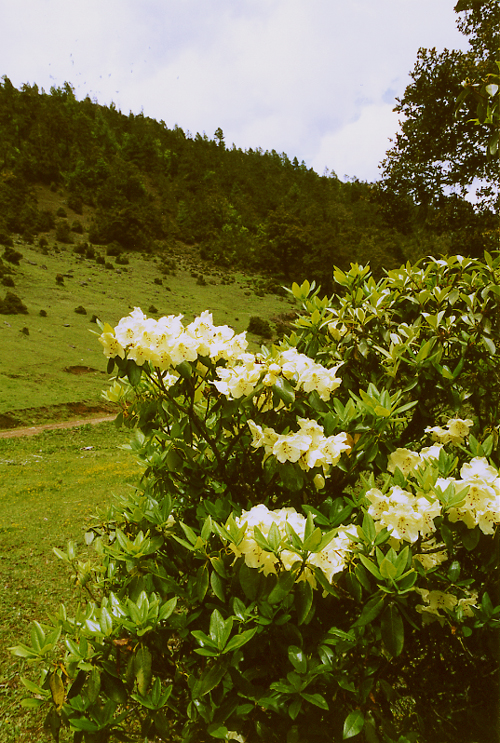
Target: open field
60 361
51 486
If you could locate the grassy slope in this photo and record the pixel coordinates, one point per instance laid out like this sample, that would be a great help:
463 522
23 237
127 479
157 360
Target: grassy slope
50 488
32 367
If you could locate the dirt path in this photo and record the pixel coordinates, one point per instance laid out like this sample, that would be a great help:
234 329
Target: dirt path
13 433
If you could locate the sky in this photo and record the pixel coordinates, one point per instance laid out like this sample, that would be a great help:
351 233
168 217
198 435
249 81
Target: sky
316 79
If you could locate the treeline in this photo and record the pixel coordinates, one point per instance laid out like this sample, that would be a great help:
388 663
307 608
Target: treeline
152 187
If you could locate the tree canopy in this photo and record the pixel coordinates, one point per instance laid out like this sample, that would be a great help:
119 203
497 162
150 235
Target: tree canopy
438 152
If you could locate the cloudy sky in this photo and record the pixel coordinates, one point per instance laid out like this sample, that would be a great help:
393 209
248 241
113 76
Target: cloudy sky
316 79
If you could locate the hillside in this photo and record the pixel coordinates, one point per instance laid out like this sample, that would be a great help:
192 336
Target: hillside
129 212
49 358
149 188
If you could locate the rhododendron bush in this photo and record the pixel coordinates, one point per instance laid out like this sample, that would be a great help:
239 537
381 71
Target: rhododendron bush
311 554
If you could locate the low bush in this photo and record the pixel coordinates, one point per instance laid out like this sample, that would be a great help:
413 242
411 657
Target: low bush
311 554
12 256
63 232
258 326
12 305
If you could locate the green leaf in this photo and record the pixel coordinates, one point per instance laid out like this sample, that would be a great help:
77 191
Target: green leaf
202 579
368 527
57 690
371 609
369 565
387 569
250 580
284 390
134 372
470 538
297 658
142 668
353 724
239 640
282 587
274 537
392 630
303 601
209 680
106 622
489 344
316 699
217 586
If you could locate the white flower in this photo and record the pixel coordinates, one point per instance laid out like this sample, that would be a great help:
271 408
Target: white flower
405 460
435 603
455 432
405 515
290 447
481 505
111 346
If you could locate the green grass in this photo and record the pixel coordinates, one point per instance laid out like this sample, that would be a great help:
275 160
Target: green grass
51 486
33 372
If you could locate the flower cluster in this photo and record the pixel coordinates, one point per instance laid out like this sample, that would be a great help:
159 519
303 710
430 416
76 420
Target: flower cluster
455 432
404 515
435 602
331 559
166 343
408 461
308 446
241 377
481 505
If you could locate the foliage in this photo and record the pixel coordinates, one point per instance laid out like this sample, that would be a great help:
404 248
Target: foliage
438 151
287 569
145 187
12 305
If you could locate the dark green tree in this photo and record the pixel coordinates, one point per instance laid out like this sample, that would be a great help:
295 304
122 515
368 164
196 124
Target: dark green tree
438 151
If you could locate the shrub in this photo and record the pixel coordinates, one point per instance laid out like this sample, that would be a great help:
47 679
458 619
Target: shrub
101 260
77 227
6 239
75 203
12 305
259 326
60 279
25 331
8 281
114 249
158 281
43 313
80 310
12 256
61 212
43 242
45 221
122 260
79 249
63 232
287 569
109 266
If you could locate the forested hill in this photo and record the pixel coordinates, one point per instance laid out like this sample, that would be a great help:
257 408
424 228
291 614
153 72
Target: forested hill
152 188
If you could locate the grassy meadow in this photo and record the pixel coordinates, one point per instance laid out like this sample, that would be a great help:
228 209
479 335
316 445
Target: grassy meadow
51 487
60 361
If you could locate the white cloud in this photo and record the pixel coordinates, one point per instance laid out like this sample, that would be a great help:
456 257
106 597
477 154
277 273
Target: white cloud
303 77
356 149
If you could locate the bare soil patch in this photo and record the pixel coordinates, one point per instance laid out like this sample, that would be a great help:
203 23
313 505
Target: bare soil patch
33 430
